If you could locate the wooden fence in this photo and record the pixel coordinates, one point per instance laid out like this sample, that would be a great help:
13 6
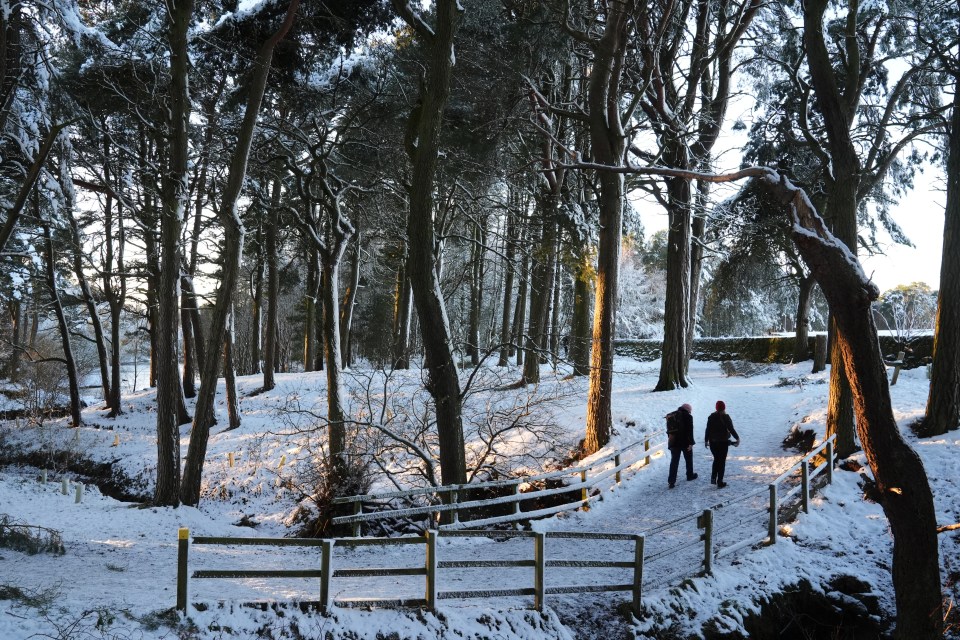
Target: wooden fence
447 501
434 567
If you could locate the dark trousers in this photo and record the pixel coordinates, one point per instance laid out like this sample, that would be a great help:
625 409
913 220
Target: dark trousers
719 451
675 463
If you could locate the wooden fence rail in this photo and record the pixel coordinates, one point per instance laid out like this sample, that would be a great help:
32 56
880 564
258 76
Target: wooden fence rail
447 500
434 567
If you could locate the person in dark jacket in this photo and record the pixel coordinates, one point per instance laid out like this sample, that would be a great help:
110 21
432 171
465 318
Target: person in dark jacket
681 442
717 437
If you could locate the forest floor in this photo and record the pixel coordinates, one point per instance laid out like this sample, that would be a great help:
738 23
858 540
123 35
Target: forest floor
117 577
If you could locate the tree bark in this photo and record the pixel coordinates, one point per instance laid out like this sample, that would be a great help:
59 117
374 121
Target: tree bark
270 359
943 401
520 312
842 186
608 144
229 377
349 304
256 308
422 145
555 308
901 479
229 217
91 304
402 308
336 413
509 251
174 193
310 299
541 289
675 357
579 350
73 381
819 353
476 293
801 348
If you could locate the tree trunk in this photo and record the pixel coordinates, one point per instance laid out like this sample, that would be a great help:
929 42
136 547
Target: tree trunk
509 251
229 217
520 312
801 348
842 185
336 412
349 304
541 293
943 402
17 324
71 364
675 356
310 311
402 308
476 292
229 377
696 267
422 145
579 350
256 308
607 142
555 310
174 191
819 353
99 341
270 359
186 329
901 479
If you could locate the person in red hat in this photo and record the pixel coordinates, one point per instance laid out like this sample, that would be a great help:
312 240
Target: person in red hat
717 438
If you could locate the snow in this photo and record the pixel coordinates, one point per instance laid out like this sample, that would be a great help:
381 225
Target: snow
119 569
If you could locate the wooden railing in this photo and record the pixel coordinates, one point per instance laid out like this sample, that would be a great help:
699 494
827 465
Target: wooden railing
447 500
708 527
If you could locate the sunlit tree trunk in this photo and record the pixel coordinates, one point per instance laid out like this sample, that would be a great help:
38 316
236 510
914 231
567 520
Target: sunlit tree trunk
608 143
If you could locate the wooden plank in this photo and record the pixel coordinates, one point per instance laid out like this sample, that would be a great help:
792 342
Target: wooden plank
484 593
264 542
258 573
589 588
386 603
587 564
479 564
367 572
372 542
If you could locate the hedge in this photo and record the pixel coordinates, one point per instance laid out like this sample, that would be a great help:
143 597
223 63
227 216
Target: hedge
771 349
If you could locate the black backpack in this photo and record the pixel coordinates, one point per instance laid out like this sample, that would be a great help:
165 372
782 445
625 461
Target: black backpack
673 427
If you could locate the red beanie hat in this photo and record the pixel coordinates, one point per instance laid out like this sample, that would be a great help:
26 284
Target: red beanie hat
721 406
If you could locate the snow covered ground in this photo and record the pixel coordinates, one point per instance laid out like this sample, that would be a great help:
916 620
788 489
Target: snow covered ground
117 577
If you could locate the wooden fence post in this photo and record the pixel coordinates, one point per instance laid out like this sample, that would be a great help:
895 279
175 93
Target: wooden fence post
539 569
805 486
454 496
774 507
637 573
829 461
357 510
616 463
431 596
583 491
79 493
183 551
708 541
646 448
326 573
516 505
64 486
